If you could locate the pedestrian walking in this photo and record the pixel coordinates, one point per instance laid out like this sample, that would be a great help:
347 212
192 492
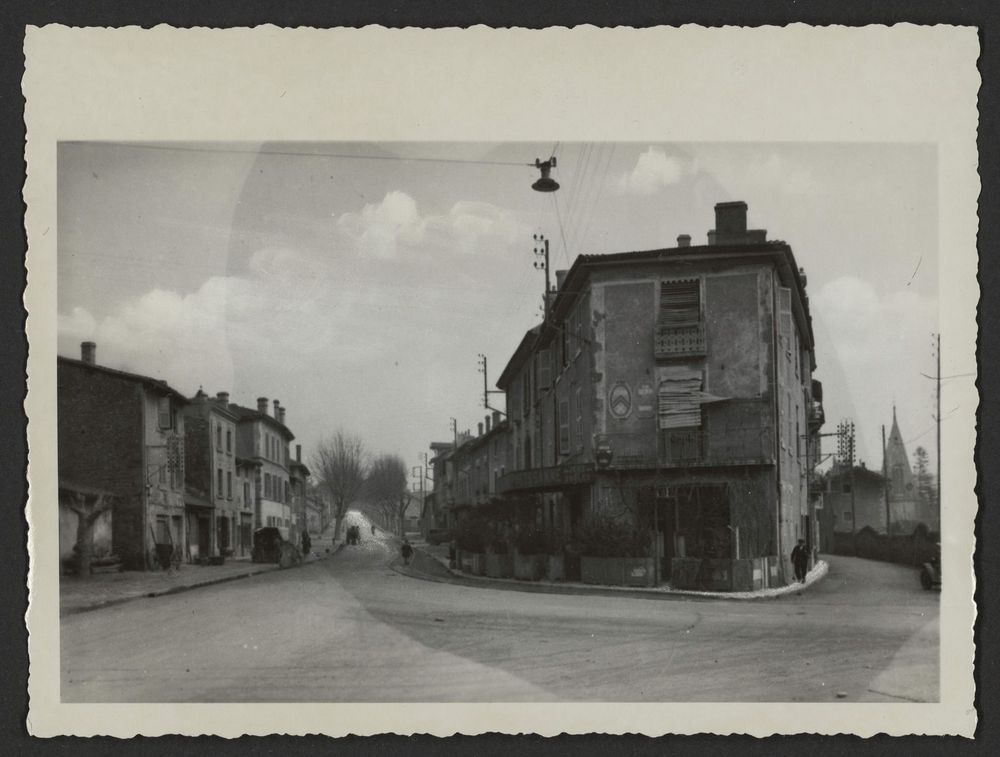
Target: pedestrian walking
800 560
306 543
407 551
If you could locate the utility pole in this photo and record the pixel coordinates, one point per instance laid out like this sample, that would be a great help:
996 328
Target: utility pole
885 484
543 264
936 345
486 390
938 380
845 448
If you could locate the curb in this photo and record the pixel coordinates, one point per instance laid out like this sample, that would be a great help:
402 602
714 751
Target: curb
457 577
188 587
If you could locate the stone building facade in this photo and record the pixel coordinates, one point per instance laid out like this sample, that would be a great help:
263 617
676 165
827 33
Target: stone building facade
672 387
123 433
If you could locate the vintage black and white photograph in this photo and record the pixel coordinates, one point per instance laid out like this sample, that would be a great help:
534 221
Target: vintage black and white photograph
544 420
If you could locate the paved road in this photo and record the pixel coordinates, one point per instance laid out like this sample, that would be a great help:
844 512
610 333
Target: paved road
352 629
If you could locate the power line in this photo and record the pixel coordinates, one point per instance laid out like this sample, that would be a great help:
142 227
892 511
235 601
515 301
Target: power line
562 233
294 154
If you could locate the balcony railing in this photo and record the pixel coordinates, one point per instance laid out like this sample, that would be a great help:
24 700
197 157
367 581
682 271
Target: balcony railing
540 479
679 341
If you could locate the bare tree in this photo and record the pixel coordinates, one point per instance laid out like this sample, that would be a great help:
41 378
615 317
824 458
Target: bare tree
341 464
88 508
387 489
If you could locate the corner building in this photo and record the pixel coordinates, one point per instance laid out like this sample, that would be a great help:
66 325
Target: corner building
675 386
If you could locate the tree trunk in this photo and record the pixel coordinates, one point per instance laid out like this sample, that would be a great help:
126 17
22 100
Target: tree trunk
337 523
87 514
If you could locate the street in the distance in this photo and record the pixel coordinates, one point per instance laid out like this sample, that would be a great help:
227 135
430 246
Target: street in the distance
351 628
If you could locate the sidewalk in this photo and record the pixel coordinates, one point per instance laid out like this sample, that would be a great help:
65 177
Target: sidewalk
430 563
105 589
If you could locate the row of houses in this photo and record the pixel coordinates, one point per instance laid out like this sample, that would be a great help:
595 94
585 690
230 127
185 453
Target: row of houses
159 473
670 387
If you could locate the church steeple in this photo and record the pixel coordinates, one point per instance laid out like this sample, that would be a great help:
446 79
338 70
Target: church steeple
897 463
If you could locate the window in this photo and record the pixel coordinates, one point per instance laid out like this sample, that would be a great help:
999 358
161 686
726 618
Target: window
680 303
564 428
846 488
679 330
218 437
165 413
579 420
246 494
218 482
526 391
267 485
229 440
848 515
229 484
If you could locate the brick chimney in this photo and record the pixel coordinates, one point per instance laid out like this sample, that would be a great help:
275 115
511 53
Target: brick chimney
731 225
684 240
560 278
262 405
731 217
496 418
88 352
298 453
487 424
277 408
281 415
480 429
222 398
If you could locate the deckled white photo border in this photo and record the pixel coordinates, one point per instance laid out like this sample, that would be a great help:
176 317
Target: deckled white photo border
797 83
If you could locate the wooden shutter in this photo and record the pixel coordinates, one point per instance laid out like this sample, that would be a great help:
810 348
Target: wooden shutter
680 302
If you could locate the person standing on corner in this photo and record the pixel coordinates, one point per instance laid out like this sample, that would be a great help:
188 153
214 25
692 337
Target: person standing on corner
407 552
306 543
800 560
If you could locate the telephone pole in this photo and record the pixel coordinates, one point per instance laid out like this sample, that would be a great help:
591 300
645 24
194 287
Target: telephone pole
542 253
486 390
845 449
938 381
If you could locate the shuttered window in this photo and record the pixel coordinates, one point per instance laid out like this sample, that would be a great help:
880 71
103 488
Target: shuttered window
544 370
164 413
680 303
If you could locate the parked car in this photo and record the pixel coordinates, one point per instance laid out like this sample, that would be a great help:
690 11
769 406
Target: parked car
271 544
930 572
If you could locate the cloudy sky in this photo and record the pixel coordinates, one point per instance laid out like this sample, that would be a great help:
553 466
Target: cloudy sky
357 282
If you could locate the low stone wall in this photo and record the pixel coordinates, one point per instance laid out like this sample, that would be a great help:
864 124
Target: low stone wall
617 571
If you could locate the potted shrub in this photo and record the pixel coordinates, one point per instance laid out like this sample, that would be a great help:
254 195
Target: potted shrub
499 561
614 552
470 540
555 560
529 557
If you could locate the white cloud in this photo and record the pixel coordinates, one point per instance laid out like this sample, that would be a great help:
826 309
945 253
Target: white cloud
379 229
653 171
394 227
